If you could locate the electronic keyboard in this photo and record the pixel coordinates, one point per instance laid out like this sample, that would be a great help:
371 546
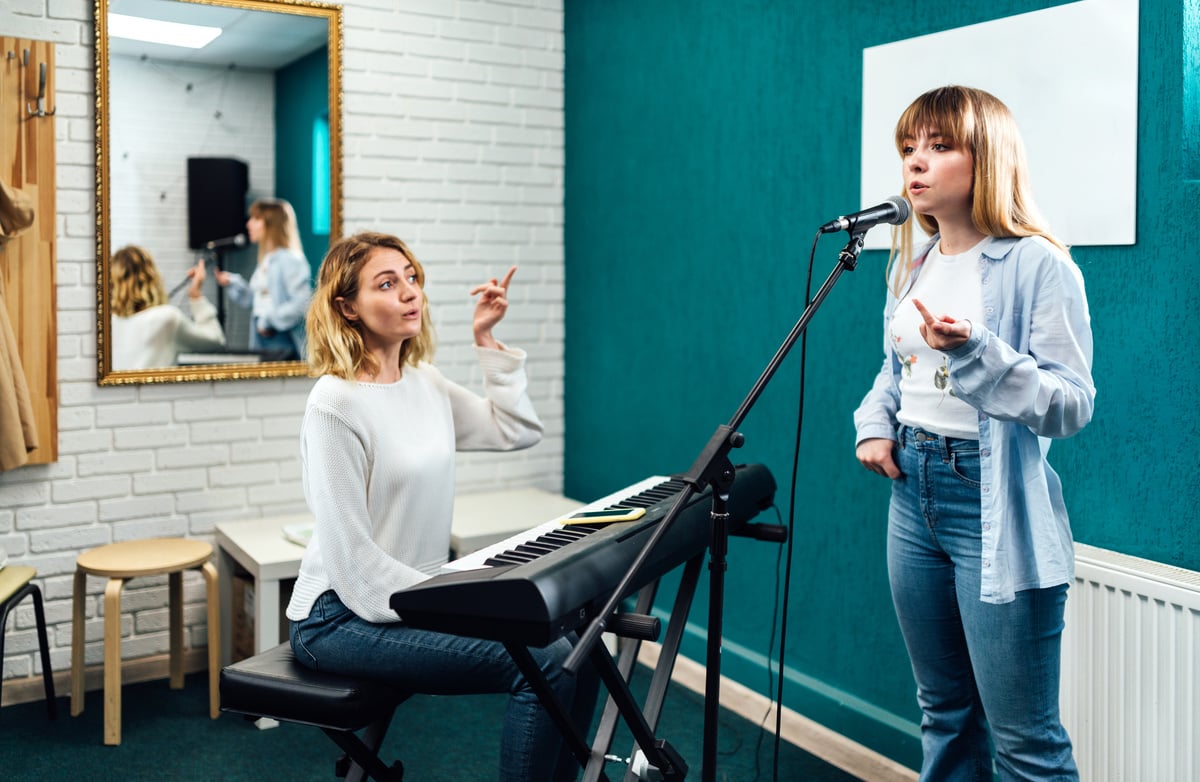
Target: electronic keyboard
544 582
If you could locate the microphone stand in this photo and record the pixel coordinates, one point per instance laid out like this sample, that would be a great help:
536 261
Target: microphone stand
712 468
218 254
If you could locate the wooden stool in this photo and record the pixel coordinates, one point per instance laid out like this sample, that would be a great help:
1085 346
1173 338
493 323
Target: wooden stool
15 586
120 562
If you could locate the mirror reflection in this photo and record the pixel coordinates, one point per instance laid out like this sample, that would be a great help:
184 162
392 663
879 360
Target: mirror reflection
218 187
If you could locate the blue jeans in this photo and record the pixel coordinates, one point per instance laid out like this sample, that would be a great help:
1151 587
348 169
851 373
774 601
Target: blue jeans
977 665
333 638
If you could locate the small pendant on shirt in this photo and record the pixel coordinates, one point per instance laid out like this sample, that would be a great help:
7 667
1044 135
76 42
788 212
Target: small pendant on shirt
906 362
941 379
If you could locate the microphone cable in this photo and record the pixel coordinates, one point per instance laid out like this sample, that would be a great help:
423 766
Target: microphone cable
791 520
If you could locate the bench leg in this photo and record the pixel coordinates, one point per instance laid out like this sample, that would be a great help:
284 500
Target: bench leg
112 661
364 753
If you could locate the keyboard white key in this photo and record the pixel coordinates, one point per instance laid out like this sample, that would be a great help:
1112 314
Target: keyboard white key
476 559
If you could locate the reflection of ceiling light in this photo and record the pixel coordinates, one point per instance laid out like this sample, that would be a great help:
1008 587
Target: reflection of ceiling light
188 36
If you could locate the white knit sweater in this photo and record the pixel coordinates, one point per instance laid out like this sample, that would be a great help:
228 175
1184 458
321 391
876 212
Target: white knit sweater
378 474
156 336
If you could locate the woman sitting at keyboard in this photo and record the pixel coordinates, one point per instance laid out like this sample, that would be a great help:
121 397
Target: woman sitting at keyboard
378 444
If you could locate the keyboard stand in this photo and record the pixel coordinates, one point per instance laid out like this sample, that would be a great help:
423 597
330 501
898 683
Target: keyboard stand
642 721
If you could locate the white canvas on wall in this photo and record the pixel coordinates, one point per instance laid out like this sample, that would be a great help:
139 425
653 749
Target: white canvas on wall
1069 75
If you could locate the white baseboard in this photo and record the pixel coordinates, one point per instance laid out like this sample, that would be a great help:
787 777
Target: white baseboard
143 669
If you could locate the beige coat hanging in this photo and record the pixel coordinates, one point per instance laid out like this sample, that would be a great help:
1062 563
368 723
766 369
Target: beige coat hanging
18 430
16 212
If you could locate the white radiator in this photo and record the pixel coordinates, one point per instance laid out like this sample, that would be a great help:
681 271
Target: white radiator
1131 669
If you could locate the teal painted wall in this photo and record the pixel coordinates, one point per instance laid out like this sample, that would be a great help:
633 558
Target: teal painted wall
301 97
705 142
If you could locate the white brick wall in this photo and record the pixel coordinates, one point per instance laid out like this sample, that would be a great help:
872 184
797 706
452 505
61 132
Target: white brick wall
453 140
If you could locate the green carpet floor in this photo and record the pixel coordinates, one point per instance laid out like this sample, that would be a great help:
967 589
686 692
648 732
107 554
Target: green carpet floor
167 735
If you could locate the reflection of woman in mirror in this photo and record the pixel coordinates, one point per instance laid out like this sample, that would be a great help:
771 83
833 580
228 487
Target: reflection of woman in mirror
147 330
278 291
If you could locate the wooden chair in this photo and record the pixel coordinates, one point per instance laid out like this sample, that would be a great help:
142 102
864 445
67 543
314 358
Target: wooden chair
16 584
120 562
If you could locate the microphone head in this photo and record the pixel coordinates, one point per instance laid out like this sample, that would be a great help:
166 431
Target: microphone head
240 239
903 209
236 241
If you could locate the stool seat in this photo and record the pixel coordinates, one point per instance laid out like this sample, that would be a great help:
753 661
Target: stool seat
151 557
15 586
272 684
120 562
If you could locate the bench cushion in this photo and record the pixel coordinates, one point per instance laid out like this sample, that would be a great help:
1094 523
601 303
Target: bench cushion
272 684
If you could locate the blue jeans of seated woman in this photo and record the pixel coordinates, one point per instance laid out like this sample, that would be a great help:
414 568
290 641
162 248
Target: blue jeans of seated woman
977 665
333 638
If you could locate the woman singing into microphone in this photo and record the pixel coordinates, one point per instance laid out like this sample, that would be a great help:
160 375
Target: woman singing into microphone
280 288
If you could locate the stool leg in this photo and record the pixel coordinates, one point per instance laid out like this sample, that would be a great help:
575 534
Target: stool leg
175 610
77 599
214 640
112 661
39 614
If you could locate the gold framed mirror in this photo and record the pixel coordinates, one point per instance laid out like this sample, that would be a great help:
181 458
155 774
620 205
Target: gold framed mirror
190 142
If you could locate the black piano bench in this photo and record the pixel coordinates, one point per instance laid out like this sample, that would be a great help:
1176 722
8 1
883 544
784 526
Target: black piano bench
272 684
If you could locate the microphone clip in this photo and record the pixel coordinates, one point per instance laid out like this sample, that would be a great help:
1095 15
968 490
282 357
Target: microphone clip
848 257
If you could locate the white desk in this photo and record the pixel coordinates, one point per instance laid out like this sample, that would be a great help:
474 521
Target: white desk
259 547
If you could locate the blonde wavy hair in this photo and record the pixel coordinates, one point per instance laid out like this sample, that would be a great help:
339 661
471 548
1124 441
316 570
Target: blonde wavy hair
335 343
136 283
280 228
1002 202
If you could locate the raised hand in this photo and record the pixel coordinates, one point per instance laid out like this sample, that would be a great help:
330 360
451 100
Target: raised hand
944 332
196 275
490 308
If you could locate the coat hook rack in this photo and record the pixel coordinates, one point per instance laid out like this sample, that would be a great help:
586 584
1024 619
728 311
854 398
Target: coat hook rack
40 111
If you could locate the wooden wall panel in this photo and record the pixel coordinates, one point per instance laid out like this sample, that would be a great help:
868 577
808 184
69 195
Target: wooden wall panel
27 263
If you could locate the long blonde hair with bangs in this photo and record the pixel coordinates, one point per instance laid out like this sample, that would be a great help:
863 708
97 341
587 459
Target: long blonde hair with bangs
335 343
1002 203
280 227
136 283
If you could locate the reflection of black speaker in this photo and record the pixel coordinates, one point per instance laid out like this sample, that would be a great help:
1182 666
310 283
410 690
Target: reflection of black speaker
216 199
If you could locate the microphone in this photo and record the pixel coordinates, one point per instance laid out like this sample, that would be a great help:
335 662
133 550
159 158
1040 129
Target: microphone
236 241
895 211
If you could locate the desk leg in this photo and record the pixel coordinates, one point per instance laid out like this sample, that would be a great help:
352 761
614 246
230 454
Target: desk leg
266 614
226 567
266 627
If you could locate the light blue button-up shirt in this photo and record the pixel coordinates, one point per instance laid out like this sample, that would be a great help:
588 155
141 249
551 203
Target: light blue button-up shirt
1027 371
